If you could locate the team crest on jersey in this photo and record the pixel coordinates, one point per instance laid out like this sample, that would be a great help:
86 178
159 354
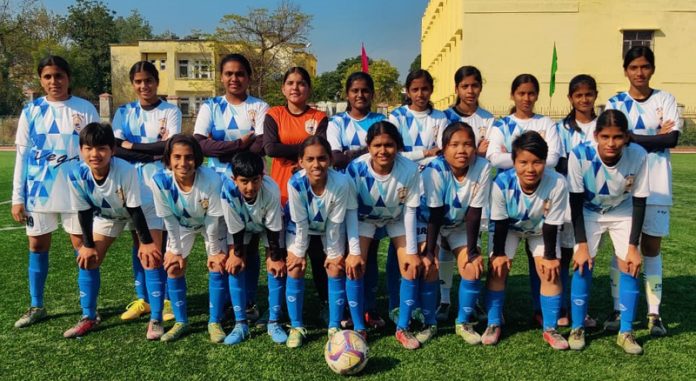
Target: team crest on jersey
78 121
204 203
121 195
310 126
629 183
163 131
402 193
547 207
251 114
482 132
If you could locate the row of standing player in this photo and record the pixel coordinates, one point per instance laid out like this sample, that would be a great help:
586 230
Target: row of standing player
357 96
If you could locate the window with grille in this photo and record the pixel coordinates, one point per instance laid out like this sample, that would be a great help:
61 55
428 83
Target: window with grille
633 38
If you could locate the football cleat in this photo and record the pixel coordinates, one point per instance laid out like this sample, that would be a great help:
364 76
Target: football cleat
491 335
374 320
154 330
590 322
33 315
627 341
407 339
555 340
613 322
217 334
426 334
83 327
576 339
167 312
239 333
467 332
175 333
655 326
277 333
135 310
296 336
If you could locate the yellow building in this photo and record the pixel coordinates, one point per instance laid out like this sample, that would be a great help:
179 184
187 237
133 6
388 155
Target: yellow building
505 38
187 69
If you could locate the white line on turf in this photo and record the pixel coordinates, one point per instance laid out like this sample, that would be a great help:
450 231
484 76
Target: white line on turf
5 202
12 228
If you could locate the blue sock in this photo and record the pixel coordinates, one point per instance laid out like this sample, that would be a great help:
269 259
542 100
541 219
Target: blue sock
494 306
409 294
550 310
580 296
337 300
393 278
534 284
139 276
356 304
276 293
295 297
428 300
177 292
154 281
628 295
468 293
253 266
216 291
371 281
238 295
89 282
38 271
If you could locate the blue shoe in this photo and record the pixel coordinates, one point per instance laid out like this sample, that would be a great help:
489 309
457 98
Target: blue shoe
277 333
239 333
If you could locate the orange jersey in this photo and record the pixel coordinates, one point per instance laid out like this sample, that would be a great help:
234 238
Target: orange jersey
283 134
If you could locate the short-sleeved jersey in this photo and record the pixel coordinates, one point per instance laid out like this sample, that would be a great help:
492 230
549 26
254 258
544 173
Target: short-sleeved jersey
645 118
419 130
134 124
571 137
223 121
608 190
292 129
120 190
190 208
481 121
381 199
338 196
345 133
443 189
264 212
527 213
506 129
51 131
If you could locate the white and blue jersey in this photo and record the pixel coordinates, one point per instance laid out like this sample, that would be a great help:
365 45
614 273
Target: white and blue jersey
481 121
571 137
527 213
222 121
119 190
345 133
48 137
420 131
382 198
645 118
506 129
134 124
443 189
608 190
190 208
264 212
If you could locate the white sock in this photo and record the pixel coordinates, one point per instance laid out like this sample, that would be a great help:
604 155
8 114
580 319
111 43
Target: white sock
614 281
652 268
447 266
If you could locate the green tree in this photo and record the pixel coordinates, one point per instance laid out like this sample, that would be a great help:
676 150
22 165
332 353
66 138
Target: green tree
386 78
268 38
132 28
329 85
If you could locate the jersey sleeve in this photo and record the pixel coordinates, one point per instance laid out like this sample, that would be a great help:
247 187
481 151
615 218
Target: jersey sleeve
337 212
482 188
131 186
554 143
333 135
234 221
575 181
298 212
260 118
498 205
641 186
174 121
415 190
495 154
433 186
117 124
214 202
22 156
204 120
77 191
162 208
91 114
670 111
274 215
558 199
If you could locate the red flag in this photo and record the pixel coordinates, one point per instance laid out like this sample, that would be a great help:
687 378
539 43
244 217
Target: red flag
363 57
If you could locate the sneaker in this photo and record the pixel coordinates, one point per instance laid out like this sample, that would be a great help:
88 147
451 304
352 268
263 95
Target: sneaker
277 333
590 322
263 320
564 320
239 333
374 320
407 339
154 330
655 326
217 334
442 312
135 310
555 340
252 312
167 312
324 313
175 333
426 334
627 341
576 339
83 327
33 315
332 331
297 334
613 322
467 332
491 335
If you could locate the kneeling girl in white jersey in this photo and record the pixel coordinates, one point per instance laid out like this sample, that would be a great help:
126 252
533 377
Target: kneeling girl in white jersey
529 202
608 182
187 197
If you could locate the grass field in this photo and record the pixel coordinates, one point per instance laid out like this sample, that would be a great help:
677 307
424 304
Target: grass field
120 351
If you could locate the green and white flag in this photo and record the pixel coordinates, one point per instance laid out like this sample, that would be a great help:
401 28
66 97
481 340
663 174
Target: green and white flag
554 67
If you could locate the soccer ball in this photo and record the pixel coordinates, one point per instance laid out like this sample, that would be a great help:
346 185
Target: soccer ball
346 352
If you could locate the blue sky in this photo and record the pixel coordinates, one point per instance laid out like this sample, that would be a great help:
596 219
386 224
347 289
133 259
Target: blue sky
390 29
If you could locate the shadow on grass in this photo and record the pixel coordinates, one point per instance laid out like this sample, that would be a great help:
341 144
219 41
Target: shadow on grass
379 364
